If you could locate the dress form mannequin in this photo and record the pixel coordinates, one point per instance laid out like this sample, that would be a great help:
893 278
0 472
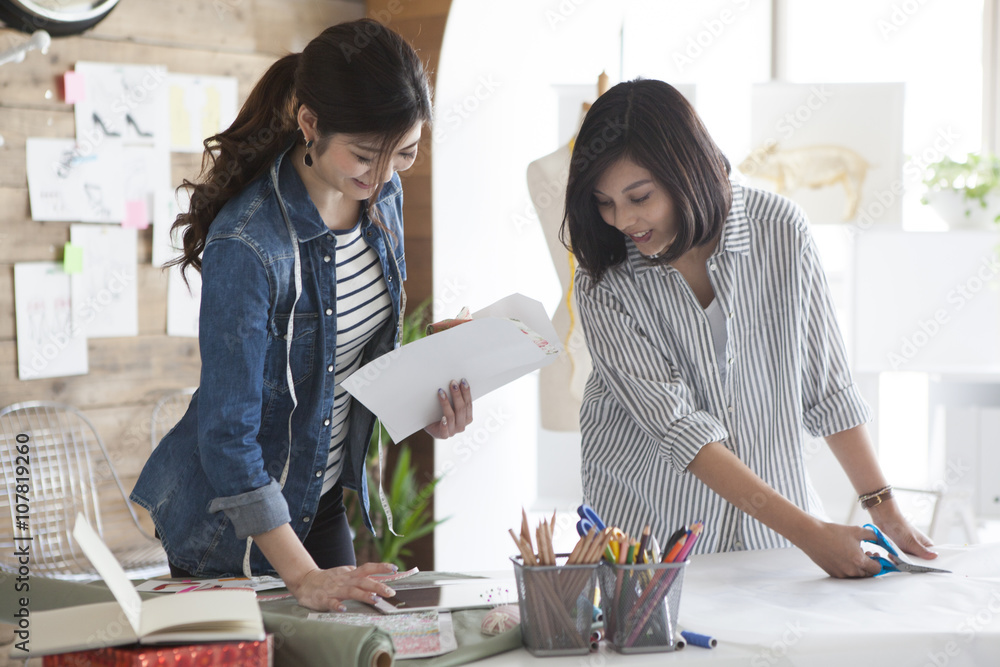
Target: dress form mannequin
561 383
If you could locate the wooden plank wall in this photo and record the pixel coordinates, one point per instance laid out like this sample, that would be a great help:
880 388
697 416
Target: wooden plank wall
422 23
239 38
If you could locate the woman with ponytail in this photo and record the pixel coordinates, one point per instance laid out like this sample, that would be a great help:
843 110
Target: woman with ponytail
296 228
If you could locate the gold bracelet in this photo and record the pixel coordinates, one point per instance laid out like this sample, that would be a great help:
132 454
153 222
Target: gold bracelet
869 500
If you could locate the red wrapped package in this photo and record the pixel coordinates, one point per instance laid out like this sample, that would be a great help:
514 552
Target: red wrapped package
218 654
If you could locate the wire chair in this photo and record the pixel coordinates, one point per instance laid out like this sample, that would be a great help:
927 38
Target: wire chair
167 412
68 472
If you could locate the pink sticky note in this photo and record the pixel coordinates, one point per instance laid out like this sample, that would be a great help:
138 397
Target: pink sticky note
135 214
74 86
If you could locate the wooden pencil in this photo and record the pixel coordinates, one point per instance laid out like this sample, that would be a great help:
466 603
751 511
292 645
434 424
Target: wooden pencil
525 531
550 552
526 556
574 555
543 554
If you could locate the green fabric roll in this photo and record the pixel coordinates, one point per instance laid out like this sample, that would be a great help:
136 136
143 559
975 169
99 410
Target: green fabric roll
299 641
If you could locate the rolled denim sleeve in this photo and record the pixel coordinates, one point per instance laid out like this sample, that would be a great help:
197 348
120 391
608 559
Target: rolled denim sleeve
831 401
642 379
254 512
235 301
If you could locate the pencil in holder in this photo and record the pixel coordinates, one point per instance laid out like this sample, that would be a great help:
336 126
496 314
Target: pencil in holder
640 605
557 606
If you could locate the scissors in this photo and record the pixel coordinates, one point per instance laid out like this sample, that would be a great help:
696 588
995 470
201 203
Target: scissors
894 562
588 520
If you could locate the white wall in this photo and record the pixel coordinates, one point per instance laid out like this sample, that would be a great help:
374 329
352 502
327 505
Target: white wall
496 112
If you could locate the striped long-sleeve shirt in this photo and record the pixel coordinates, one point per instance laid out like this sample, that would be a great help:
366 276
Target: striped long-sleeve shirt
656 395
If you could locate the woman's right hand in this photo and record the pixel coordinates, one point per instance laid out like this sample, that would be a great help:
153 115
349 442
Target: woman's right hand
837 549
326 590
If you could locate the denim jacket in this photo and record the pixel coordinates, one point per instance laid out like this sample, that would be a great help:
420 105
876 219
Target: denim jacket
219 476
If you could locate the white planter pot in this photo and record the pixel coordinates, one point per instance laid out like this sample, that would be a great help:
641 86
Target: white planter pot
962 213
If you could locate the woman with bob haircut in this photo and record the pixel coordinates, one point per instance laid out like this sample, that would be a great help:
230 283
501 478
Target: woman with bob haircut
296 227
715 345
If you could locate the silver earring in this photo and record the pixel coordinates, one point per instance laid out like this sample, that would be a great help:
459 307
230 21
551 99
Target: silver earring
307 158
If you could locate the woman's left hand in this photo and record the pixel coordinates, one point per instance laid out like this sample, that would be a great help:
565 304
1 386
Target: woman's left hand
456 409
890 520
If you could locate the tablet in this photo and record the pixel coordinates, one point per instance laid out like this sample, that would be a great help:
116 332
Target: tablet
474 594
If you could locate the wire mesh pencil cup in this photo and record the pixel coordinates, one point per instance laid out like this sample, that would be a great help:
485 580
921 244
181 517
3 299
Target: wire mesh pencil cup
557 606
640 605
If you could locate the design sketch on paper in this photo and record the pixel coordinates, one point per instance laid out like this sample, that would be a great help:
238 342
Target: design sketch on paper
105 293
200 107
836 149
810 166
70 182
122 101
48 345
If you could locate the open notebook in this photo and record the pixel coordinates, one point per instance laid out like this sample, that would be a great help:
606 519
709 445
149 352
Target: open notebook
200 616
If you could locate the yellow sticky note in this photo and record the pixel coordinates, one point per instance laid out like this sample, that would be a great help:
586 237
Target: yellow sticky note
73 258
180 120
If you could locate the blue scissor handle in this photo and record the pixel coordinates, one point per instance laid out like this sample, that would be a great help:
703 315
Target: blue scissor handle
887 565
882 541
588 520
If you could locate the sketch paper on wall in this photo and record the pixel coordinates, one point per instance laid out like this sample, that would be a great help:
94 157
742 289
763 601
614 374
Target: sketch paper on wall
72 183
183 303
106 293
200 107
167 205
127 102
835 149
146 169
48 343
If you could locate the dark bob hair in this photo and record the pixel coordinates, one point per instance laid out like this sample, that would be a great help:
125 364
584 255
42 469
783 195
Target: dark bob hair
650 123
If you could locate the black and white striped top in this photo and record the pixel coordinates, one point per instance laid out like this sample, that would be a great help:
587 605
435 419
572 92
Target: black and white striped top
363 305
655 396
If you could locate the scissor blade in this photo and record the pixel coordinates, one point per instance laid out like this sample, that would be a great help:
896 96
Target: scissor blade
918 569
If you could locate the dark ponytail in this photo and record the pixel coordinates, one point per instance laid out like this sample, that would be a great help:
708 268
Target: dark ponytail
358 78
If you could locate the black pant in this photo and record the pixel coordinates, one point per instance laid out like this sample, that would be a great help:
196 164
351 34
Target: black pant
329 540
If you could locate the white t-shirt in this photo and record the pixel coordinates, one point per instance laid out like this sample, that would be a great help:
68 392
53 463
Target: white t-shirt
363 305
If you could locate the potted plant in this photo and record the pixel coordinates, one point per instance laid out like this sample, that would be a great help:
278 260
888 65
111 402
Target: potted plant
408 499
965 194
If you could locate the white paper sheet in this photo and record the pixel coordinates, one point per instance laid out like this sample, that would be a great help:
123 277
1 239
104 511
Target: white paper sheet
200 107
400 387
145 171
183 303
129 102
110 570
776 607
74 182
167 205
48 345
261 583
106 292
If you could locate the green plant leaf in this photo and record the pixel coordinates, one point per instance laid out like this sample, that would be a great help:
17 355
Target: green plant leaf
975 178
